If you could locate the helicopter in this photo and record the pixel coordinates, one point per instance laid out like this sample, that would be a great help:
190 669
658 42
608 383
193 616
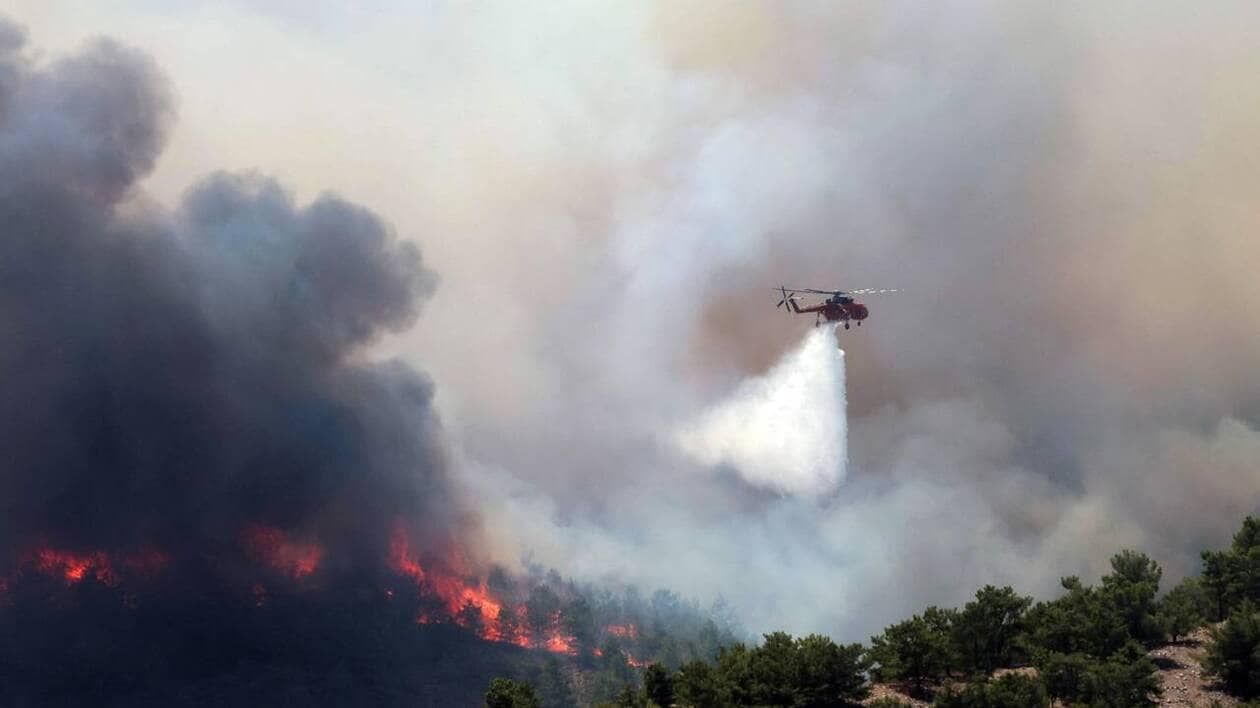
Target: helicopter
839 307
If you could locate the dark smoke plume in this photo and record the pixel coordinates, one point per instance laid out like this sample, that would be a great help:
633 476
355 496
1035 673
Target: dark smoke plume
184 393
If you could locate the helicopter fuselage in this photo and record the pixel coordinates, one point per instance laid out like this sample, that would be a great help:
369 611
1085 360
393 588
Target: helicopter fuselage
833 310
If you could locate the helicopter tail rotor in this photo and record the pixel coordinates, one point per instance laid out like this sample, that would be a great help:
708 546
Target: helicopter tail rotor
788 303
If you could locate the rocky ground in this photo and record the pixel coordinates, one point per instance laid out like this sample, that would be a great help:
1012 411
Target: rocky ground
1183 679
884 690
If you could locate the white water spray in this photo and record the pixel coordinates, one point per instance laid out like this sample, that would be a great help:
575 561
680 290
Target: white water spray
786 430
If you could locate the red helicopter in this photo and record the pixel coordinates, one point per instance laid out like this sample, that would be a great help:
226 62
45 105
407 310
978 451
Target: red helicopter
840 307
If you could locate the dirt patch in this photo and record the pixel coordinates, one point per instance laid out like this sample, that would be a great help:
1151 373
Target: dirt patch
887 690
1181 672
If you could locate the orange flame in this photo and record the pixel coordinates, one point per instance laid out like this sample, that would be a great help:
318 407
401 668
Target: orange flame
454 593
458 592
625 631
75 567
464 598
274 547
559 644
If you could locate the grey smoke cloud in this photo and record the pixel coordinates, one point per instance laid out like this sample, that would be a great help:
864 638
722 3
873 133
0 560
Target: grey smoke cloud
173 376
1063 189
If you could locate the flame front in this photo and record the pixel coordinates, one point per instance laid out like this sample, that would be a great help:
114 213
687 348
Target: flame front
273 547
624 631
463 598
76 566
469 603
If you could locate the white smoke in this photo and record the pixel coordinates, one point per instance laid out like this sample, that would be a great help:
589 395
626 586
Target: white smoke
785 431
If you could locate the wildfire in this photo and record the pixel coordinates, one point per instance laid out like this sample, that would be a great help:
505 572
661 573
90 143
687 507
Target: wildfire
559 644
470 604
455 593
464 599
272 546
75 567
625 631
400 558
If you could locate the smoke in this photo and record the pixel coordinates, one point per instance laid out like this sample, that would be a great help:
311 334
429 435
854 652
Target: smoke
1062 190
1065 190
785 430
188 401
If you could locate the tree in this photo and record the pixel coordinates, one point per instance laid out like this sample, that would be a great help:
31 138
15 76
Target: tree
1082 620
542 609
1247 537
829 674
985 630
508 622
774 668
506 693
1126 679
1065 675
911 651
809 671
1234 654
553 688
734 665
578 621
1245 565
1233 575
1131 587
1218 579
700 686
630 697
942 622
1182 609
659 685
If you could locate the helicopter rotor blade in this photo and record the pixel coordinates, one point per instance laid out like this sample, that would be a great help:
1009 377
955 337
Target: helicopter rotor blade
863 291
807 290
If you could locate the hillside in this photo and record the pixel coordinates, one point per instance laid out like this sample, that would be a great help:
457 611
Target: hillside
1183 680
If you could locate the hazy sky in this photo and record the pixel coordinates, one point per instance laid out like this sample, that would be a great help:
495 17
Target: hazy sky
608 191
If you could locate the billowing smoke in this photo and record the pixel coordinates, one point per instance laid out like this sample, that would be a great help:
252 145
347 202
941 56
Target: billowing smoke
174 376
1065 190
191 430
784 430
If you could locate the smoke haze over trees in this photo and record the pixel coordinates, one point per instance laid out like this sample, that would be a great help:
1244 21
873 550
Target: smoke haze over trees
1064 190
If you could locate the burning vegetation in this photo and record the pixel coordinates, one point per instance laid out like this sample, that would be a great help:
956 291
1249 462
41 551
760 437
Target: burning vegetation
211 496
554 616
290 610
